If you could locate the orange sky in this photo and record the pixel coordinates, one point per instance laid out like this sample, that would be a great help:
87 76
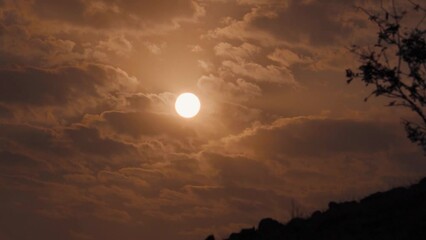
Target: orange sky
91 147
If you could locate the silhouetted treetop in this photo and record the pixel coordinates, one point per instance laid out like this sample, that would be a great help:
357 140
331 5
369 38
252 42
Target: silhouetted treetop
210 237
396 65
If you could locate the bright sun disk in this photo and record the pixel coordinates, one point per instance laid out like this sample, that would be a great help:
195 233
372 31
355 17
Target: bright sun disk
187 105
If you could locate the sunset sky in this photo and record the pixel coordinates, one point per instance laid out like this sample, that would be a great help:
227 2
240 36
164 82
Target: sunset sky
92 148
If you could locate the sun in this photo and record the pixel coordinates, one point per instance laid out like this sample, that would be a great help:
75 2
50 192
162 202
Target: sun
187 105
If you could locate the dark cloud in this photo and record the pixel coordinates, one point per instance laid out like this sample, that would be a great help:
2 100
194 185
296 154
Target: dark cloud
137 124
9 159
139 101
5 112
318 21
88 140
112 13
27 136
60 86
322 137
241 171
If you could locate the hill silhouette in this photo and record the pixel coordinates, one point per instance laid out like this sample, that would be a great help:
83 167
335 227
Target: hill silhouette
399 213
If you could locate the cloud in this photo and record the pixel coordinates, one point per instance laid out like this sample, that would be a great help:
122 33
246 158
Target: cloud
27 136
227 90
60 86
116 44
241 29
313 39
18 163
245 51
137 124
287 58
241 171
110 14
5 112
319 25
317 137
155 49
88 140
9 158
241 61
257 72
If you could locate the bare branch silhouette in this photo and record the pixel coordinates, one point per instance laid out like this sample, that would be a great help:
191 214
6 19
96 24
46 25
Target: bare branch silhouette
396 65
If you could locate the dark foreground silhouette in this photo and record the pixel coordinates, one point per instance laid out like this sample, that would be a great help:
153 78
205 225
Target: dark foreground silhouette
398 214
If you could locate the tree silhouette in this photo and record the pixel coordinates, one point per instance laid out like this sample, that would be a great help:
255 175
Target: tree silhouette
210 237
396 64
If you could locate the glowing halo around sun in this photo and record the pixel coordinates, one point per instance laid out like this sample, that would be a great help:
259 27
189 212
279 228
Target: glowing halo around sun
187 105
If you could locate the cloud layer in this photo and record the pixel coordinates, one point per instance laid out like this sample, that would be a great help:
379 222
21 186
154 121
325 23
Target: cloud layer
91 148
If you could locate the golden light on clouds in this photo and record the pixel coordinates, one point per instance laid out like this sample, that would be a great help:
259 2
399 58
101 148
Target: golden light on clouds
187 105
87 90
